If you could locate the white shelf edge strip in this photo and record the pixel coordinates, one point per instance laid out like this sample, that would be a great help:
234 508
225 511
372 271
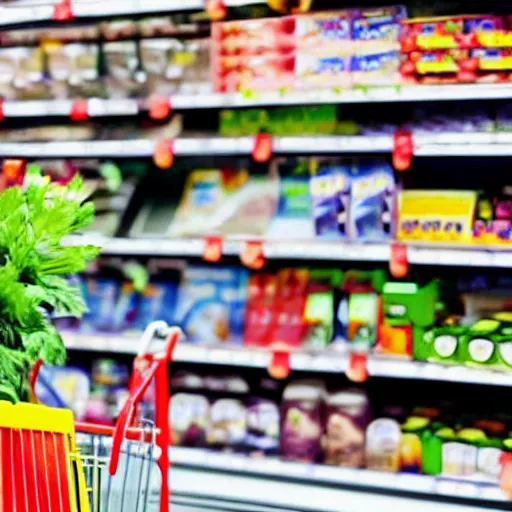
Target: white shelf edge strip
326 362
445 144
305 250
271 467
128 107
31 12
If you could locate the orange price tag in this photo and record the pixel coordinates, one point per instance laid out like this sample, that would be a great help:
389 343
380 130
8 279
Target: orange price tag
262 150
79 110
279 367
398 262
252 255
163 157
212 249
506 473
216 9
358 367
159 107
403 150
13 169
62 11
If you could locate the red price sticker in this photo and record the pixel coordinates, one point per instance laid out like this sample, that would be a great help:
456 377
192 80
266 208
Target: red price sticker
163 156
398 262
159 107
216 9
2 115
212 249
279 367
13 170
403 150
252 255
358 367
79 110
63 11
262 150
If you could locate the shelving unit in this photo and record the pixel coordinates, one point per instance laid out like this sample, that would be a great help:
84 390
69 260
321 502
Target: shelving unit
328 361
432 145
421 254
317 487
30 11
128 107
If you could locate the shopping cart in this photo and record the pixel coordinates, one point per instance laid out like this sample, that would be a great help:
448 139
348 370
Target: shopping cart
48 465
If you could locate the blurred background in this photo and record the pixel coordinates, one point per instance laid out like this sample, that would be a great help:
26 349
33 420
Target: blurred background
319 196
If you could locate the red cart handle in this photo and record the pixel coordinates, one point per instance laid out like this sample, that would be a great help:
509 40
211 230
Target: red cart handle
146 367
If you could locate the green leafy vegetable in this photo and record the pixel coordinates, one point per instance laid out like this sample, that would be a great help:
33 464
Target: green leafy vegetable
33 264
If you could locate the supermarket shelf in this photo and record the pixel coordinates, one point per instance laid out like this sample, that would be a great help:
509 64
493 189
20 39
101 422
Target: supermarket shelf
437 144
32 11
433 254
363 484
129 107
192 146
328 361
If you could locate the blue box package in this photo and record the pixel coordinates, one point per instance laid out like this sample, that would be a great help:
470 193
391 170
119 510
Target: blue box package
157 302
211 303
330 198
372 200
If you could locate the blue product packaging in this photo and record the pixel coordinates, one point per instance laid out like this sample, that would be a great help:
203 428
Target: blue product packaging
158 302
293 217
330 199
125 312
101 295
372 200
211 303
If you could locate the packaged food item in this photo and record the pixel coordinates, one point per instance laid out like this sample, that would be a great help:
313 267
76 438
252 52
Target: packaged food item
227 427
189 417
293 216
409 311
22 74
383 438
157 302
330 197
211 302
347 417
249 210
301 421
436 215
411 445
372 199
125 77
174 66
64 387
263 423
101 298
74 70
206 191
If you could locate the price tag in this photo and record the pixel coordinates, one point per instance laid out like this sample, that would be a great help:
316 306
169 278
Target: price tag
262 150
62 11
398 262
212 249
159 107
358 367
252 255
2 115
403 150
79 110
216 9
163 155
279 367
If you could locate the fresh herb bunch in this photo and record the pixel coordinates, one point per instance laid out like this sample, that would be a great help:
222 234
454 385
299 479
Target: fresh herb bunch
34 219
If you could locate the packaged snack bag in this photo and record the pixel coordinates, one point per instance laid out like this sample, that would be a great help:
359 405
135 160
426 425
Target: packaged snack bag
301 420
347 417
383 438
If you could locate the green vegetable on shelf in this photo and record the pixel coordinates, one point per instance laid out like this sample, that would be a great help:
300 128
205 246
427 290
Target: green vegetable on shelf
33 265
